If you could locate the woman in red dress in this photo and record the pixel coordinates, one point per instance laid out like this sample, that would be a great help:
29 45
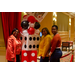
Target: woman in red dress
13 47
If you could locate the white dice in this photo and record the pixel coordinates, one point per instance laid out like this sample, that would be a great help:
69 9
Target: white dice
30 42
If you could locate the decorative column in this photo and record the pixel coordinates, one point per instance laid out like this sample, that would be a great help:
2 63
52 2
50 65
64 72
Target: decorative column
54 18
72 29
69 28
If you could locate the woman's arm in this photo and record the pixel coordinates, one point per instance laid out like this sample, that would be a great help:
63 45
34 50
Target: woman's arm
10 48
53 46
46 46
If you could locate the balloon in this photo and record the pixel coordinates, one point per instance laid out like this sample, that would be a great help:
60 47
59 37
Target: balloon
24 24
31 19
37 25
24 16
31 30
37 31
25 32
31 24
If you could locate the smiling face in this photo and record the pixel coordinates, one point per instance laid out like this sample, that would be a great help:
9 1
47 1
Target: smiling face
44 32
54 30
15 33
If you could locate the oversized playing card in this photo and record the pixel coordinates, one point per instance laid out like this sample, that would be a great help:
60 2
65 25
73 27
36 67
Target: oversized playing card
38 15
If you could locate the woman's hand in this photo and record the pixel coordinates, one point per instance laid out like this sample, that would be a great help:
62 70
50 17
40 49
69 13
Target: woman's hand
13 59
50 55
43 57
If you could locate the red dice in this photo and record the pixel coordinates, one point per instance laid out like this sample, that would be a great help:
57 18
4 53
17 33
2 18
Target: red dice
29 56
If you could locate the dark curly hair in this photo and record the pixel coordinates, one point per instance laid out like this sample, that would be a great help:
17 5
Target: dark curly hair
55 26
14 30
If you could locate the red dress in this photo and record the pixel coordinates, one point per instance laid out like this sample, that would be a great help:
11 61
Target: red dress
13 48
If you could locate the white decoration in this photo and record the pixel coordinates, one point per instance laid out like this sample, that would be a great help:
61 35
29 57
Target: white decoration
25 54
31 42
37 32
25 32
31 24
32 61
24 61
33 54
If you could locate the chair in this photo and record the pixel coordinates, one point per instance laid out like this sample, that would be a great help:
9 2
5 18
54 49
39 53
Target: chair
71 43
66 44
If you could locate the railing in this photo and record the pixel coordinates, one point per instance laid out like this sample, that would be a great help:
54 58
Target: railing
71 58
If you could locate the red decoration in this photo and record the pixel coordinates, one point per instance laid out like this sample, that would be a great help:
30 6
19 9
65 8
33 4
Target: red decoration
24 16
10 20
31 30
29 56
36 20
20 29
31 19
39 16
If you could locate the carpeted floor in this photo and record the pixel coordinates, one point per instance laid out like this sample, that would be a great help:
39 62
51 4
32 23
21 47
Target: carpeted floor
3 55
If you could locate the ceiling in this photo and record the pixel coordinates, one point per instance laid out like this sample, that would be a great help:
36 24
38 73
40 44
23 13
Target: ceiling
71 14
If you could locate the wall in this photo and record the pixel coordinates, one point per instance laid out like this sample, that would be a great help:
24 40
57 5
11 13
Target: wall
72 29
22 14
64 35
62 21
63 26
1 33
47 21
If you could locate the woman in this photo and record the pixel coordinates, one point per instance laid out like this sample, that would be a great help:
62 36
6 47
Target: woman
13 47
55 52
44 45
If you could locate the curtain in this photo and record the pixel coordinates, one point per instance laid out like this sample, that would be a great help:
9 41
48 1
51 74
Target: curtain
10 20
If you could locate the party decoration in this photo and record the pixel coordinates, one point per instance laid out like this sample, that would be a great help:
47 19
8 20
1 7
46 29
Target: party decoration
30 38
37 25
24 24
38 15
31 30
31 19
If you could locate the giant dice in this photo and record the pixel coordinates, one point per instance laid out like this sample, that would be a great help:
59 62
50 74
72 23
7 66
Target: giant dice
29 56
30 44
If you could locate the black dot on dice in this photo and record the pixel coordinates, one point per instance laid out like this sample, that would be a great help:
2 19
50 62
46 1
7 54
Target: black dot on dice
25 46
30 38
37 46
25 38
34 38
33 46
37 38
30 46
21 38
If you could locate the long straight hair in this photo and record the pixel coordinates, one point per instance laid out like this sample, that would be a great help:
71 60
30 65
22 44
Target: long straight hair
46 30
